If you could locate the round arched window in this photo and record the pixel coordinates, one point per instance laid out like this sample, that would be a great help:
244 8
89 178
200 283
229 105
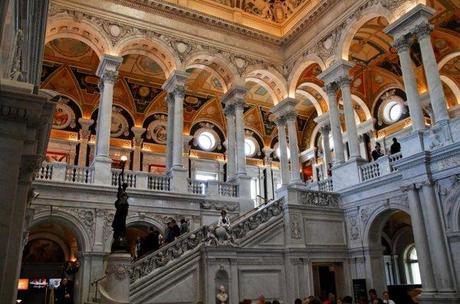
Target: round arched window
412 267
207 141
249 147
392 111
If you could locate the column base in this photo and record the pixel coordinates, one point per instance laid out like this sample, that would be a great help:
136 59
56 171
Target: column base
244 193
412 144
178 179
102 170
114 288
347 174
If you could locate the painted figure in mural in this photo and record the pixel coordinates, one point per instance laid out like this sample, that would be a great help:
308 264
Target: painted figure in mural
120 244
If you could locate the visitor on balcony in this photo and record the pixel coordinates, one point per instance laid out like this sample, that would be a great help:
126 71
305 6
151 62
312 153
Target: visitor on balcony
377 152
395 146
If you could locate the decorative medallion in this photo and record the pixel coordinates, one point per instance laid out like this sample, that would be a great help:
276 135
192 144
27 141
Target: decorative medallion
64 116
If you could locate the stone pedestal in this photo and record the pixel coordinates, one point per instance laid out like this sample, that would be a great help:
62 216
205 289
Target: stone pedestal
102 170
244 193
178 179
115 287
412 144
347 174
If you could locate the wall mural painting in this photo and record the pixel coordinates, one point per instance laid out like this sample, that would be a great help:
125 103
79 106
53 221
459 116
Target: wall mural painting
88 81
119 126
48 68
64 115
56 157
269 125
192 104
43 251
157 129
142 94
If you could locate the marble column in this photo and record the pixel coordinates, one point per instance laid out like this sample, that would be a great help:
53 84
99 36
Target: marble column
291 119
137 146
436 235
231 159
334 121
175 86
108 73
410 83
420 238
170 132
325 129
239 130
282 143
84 136
438 100
268 173
350 119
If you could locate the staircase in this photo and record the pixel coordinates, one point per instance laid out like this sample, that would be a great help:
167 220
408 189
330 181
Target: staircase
162 268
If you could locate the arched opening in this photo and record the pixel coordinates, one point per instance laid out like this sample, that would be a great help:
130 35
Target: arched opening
392 263
50 263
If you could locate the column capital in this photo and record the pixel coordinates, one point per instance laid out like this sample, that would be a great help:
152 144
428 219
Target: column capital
229 110
108 68
337 70
344 81
323 119
280 121
285 108
331 87
234 96
85 124
407 23
403 43
137 140
175 84
423 30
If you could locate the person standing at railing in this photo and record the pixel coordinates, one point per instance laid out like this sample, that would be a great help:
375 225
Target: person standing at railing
223 221
377 152
395 146
172 231
183 226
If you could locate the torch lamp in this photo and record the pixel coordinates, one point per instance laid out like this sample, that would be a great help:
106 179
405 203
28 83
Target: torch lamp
123 160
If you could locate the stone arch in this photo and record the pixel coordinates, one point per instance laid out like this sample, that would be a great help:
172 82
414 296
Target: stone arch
213 121
155 49
270 79
54 238
298 69
350 30
211 71
377 220
452 86
69 220
362 105
82 30
313 101
320 91
447 58
217 63
314 133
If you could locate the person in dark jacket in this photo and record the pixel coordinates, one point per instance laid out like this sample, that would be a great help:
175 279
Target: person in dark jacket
395 147
64 293
151 242
172 231
377 153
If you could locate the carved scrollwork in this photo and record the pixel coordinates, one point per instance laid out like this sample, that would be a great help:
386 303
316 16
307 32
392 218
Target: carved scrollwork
319 199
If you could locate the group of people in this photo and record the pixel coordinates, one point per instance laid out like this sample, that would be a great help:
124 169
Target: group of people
154 240
331 299
394 148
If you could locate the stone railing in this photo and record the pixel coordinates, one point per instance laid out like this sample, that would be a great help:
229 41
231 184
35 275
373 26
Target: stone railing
82 175
392 159
325 185
129 178
205 235
197 186
227 189
168 253
158 182
319 199
45 172
370 171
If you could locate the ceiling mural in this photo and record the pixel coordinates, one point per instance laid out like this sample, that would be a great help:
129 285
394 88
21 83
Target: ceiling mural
142 94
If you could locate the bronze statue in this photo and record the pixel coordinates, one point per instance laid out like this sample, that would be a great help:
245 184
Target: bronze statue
120 243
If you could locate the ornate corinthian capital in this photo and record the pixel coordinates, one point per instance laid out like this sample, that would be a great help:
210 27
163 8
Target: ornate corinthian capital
423 30
403 43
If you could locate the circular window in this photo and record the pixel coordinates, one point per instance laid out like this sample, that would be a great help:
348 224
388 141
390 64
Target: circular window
392 111
249 147
207 141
